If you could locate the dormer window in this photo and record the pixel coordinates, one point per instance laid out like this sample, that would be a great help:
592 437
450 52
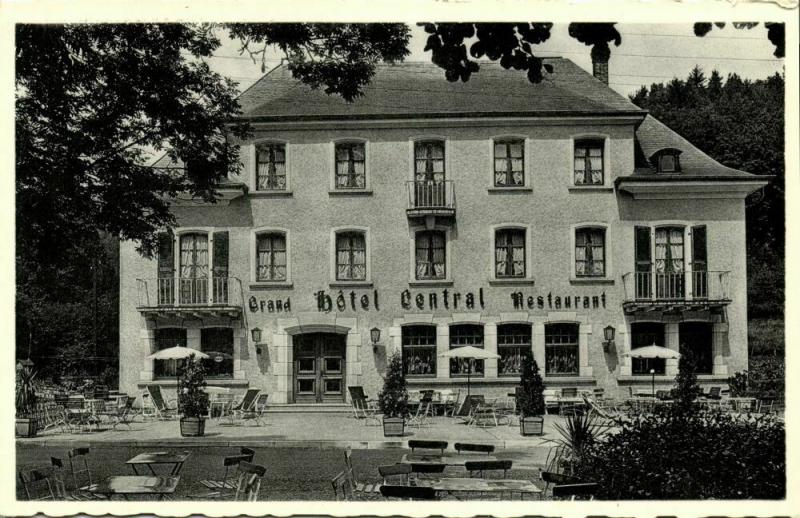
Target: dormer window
667 161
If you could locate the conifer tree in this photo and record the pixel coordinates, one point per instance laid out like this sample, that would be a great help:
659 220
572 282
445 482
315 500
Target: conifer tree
393 399
530 396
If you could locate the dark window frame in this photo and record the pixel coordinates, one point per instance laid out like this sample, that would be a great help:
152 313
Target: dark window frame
210 363
272 178
429 159
508 171
644 334
271 236
515 339
508 251
351 175
413 338
558 335
587 246
466 334
351 249
161 368
586 146
430 252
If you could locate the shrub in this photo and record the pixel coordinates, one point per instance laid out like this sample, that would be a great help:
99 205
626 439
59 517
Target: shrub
738 384
687 390
393 399
192 399
692 456
766 377
530 396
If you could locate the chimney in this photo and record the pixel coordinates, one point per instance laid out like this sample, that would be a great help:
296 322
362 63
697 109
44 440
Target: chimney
600 70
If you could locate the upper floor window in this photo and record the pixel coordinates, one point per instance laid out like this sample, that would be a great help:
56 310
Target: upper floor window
668 161
509 163
461 335
431 260
513 344
351 256
271 257
350 165
270 167
419 350
589 162
590 252
509 246
194 255
429 161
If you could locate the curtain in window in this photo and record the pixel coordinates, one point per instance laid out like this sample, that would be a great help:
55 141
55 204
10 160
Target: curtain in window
430 255
589 163
669 250
271 167
350 166
509 163
271 257
661 250
194 256
676 249
510 253
351 257
429 161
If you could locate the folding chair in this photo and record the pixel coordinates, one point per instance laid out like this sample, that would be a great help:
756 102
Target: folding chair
81 475
342 488
365 489
462 447
244 405
225 486
580 491
362 407
427 445
450 403
249 482
408 492
481 466
423 412
163 410
256 411
37 484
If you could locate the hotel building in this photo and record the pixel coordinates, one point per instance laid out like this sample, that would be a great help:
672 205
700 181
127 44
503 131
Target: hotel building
526 219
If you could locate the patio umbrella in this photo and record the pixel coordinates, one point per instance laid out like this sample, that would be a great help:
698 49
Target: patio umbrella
653 351
471 353
177 353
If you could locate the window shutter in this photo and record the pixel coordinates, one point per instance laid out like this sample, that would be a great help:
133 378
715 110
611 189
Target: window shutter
220 254
699 257
166 254
642 252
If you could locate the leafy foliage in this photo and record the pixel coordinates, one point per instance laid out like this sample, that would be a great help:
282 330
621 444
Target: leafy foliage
393 398
576 436
776 32
766 377
530 396
686 388
697 456
192 399
738 384
740 124
25 394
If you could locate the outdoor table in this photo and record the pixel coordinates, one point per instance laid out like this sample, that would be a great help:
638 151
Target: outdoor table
160 457
449 460
125 485
481 485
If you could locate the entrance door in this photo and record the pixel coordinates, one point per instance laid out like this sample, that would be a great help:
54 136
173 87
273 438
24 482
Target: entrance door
319 368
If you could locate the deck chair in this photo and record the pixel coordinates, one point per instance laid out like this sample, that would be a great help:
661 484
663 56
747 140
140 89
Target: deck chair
579 491
245 405
418 444
390 472
468 407
249 482
363 407
408 492
607 415
342 488
162 408
360 489
37 484
424 411
256 411
462 447
450 403
481 466
223 487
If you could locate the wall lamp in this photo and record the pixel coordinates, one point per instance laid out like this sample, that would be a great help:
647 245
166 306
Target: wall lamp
608 334
255 334
375 336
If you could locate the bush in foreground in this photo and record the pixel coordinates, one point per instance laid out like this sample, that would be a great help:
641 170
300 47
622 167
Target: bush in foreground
708 455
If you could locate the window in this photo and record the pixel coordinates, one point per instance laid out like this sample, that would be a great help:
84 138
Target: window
509 247
350 165
561 349
217 342
165 338
430 257
429 161
589 162
668 161
271 167
696 339
513 344
461 335
509 163
419 350
270 257
351 256
590 252
642 335
669 263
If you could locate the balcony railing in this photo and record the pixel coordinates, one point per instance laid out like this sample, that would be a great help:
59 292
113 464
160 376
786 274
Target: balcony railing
690 286
167 292
431 198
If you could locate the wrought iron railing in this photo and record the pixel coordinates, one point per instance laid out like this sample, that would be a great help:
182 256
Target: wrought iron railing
431 195
677 286
185 291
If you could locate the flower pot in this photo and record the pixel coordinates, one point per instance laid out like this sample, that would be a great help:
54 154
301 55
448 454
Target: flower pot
393 426
193 426
531 425
26 427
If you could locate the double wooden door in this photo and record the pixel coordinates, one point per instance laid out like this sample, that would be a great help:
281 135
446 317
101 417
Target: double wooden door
319 368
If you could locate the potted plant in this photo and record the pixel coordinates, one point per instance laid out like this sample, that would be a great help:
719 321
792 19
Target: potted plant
393 399
26 424
192 399
530 398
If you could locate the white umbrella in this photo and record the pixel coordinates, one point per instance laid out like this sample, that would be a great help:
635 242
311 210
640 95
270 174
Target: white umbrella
471 353
177 353
653 351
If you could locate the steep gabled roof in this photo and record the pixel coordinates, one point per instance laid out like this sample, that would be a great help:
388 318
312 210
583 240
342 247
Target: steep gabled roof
420 89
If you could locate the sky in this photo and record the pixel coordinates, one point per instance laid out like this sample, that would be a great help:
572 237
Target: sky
648 53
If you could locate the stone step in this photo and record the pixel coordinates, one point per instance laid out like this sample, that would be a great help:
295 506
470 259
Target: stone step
305 408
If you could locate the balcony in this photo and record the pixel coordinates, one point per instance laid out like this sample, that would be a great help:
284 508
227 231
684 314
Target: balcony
431 199
675 291
198 297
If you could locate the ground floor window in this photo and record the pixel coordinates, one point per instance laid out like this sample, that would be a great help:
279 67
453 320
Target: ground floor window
217 342
419 350
460 336
165 338
642 335
561 349
696 339
513 344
